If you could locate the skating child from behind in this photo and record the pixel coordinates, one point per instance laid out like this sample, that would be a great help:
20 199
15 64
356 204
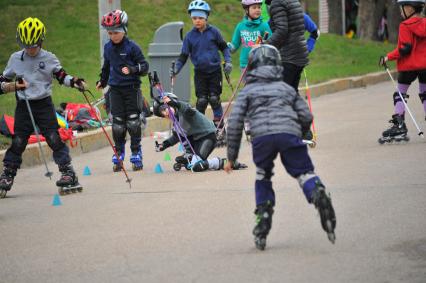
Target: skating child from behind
278 117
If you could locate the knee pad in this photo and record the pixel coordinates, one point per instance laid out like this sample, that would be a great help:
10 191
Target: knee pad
207 146
397 97
54 140
118 129
19 144
134 125
422 97
202 103
309 182
263 175
214 100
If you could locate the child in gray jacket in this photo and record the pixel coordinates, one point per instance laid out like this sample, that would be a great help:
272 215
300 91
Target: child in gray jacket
278 117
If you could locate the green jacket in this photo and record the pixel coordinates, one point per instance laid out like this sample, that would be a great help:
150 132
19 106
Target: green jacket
245 35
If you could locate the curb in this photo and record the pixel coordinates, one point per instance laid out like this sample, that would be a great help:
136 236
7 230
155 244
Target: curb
94 140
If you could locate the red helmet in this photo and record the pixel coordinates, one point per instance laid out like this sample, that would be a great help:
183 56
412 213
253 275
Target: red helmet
115 21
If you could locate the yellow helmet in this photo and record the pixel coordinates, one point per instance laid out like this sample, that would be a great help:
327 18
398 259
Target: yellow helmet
30 33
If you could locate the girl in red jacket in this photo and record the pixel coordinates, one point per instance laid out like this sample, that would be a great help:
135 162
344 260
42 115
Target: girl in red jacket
410 56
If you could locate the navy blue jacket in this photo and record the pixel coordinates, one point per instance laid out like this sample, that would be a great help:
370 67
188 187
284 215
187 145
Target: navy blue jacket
116 56
203 49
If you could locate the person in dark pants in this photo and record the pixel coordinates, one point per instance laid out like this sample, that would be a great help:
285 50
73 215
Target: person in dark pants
202 44
124 63
35 68
279 118
288 36
199 130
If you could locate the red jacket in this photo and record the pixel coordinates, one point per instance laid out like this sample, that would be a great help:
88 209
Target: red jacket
412 32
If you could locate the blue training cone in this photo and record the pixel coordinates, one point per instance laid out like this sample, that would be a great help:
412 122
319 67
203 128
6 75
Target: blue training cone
158 169
56 200
86 171
180 148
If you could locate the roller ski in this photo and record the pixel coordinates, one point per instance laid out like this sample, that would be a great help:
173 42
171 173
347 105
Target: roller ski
263 214
68 183
6 181
323 204
136 160
397 132
118 163
182 161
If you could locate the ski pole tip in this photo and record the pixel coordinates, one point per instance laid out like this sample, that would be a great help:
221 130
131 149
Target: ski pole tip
421 135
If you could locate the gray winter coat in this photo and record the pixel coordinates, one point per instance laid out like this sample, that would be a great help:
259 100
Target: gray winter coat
271 107
288 31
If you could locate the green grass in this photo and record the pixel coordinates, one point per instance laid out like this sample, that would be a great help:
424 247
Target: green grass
72 34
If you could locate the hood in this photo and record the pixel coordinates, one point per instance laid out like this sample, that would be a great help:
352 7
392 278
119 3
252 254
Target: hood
265 73
252 23
416 25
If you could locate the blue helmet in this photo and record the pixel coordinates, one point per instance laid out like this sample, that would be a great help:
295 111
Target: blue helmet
199 5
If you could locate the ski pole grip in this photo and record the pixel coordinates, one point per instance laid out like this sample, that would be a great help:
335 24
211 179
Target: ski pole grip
156 79
265 35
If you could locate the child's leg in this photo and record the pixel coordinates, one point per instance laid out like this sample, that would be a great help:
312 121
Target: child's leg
201 91
203 148
13 157
215 90
404 81
422 88
118 121
45 118
264 153
132 101
295 158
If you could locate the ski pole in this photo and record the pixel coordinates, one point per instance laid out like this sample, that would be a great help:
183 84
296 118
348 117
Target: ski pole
83 91
172 78
308 94
420 132
48 173
243 74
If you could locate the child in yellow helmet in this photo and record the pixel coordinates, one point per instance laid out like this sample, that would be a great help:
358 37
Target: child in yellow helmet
33 68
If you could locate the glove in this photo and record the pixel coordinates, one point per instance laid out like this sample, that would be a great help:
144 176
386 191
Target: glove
78 83
161 146
311 44
383 60
132 69
231 47
307 135
227 68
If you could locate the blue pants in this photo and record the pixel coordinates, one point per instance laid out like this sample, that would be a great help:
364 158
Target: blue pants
295 158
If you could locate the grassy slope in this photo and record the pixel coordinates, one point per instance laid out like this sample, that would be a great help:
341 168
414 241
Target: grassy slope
72 34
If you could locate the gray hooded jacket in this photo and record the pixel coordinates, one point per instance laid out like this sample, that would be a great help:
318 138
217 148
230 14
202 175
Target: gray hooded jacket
271 107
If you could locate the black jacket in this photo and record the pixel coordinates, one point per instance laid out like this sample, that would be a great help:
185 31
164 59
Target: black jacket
288 31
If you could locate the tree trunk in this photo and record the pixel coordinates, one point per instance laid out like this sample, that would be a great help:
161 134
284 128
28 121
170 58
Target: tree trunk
394 19
335 20
369 14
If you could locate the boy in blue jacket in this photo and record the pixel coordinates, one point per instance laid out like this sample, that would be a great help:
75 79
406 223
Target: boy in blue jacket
124 63
202 44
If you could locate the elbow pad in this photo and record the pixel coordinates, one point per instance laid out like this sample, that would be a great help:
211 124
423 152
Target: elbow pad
405 49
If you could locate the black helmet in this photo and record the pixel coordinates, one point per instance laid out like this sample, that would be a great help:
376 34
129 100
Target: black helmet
264 55
414 3
159 105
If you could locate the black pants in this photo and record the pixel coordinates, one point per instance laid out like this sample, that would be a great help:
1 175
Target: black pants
204 146
208 88
125 104
407 77
292 74
45 119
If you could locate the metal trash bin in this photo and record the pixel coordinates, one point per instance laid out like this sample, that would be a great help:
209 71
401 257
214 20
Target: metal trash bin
168 41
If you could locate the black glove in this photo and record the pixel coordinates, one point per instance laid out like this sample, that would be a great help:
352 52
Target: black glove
307 135
161 146
103 83
78 83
